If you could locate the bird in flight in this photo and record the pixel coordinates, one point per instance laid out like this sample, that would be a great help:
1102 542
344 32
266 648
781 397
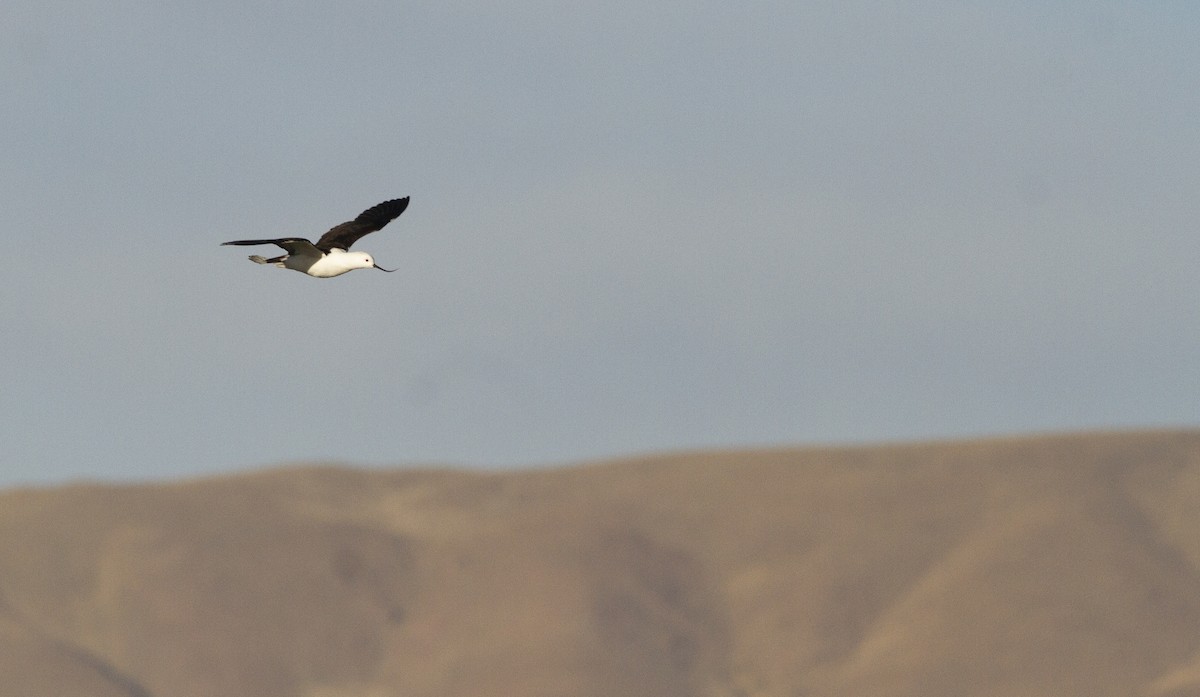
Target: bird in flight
331 256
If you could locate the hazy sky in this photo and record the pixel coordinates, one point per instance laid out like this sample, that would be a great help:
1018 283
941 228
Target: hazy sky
634 227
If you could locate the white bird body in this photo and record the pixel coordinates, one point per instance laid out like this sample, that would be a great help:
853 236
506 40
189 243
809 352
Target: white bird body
335 262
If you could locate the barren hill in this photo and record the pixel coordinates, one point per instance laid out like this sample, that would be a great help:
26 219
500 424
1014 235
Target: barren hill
1053 566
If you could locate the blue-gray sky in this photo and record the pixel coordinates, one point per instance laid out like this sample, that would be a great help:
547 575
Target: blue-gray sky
634 227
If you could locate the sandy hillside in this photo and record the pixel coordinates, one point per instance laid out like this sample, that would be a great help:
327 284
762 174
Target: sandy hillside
1052 566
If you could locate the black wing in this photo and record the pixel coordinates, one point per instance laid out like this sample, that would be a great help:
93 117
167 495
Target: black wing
296 246
372 219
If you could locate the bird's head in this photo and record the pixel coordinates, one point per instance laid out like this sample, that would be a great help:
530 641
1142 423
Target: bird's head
365 261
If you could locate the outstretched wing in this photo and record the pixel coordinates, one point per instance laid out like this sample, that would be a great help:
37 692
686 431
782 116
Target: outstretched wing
295 246
370 220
